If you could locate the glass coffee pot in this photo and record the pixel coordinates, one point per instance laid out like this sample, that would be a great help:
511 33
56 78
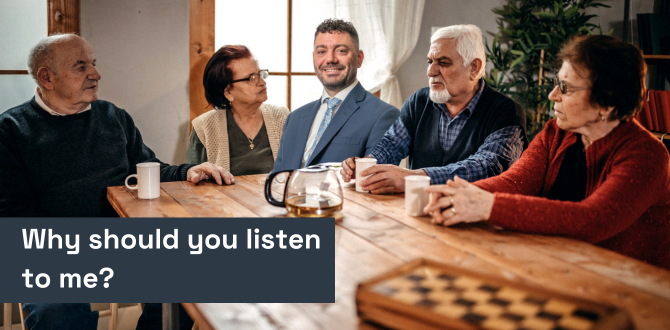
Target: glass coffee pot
314 191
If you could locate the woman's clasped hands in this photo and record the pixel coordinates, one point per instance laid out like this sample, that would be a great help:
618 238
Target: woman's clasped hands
458 201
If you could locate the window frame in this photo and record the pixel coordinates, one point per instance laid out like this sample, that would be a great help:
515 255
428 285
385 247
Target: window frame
201 40
62 17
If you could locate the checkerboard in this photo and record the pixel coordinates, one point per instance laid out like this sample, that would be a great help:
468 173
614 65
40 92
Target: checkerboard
424 294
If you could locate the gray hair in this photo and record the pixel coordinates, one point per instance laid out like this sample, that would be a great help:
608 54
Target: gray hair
42 54
469 43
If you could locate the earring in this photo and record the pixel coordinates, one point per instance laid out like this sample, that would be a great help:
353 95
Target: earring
602 117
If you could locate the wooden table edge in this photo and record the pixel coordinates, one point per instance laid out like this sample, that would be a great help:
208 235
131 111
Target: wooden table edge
112 202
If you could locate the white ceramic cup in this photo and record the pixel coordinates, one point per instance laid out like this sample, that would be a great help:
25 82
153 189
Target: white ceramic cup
416 197
148 180
361 165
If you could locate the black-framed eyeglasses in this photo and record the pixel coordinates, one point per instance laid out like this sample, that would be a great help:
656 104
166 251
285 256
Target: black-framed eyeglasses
564 88
253 78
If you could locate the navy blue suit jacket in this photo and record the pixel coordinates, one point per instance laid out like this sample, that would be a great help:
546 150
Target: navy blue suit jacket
358 125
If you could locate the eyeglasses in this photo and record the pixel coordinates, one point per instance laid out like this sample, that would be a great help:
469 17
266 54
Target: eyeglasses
253 78
564 88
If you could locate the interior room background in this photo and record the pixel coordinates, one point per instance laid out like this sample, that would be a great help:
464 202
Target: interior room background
142 50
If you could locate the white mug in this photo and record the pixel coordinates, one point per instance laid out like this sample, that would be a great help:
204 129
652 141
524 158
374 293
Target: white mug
416 197
148 180
361 165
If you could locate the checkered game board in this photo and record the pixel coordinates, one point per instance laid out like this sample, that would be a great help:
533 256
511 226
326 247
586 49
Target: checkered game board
476 302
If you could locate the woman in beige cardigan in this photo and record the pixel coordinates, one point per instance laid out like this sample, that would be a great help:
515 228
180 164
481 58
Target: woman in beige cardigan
242 133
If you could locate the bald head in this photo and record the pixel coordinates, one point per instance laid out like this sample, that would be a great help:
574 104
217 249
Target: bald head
43 54
64 68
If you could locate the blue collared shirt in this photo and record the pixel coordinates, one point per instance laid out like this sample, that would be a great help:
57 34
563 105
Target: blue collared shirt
498 152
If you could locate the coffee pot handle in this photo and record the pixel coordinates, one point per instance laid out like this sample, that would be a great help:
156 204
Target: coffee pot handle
268 188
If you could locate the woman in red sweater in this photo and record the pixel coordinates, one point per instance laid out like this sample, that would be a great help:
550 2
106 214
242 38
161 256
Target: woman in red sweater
593 173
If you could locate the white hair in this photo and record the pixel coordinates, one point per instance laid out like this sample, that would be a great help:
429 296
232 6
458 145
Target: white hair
469 43
42 55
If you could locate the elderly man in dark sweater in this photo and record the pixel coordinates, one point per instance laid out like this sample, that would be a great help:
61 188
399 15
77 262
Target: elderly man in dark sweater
62 149
457 126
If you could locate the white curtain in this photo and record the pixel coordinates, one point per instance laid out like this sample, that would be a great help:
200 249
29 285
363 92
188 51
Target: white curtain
388 31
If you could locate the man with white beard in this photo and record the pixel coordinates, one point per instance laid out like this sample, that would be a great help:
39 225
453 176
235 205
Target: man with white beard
458 126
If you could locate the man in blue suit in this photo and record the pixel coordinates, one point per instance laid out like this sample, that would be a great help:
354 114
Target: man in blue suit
347 120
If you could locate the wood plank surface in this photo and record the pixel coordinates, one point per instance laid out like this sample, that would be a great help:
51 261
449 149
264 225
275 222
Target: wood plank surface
203 200
248 191
127 204
607 263
355 260
632 272
376 235
477 246
506 250
514 253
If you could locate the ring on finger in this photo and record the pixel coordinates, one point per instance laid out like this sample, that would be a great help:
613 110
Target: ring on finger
453 210
452 201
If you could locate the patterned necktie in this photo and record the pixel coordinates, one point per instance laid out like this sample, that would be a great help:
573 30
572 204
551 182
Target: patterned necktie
332 103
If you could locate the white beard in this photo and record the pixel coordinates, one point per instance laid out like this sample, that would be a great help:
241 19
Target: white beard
441 96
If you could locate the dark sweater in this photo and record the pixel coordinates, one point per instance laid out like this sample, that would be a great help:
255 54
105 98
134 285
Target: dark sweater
493 112
61 165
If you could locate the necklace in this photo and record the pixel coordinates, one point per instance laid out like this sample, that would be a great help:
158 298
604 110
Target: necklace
240 131
251 142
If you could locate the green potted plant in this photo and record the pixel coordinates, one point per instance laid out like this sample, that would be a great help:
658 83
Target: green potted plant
523 52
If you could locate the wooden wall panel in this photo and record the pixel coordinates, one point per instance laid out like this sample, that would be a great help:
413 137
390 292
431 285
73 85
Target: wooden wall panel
63 16
201 48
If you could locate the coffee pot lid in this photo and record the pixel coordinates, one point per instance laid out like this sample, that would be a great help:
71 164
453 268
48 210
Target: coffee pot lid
314 169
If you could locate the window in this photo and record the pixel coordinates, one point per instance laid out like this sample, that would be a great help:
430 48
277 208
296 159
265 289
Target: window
280 34
30 17
35 19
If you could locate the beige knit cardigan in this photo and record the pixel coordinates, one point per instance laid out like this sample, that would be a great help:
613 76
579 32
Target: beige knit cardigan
212 130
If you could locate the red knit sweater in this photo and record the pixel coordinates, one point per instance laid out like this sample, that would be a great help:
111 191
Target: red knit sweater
627 205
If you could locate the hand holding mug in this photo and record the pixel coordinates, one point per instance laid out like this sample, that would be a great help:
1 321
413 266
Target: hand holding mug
363 164
348 169
459 201
386 178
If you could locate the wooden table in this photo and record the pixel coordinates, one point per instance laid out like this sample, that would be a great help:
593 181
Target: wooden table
376 235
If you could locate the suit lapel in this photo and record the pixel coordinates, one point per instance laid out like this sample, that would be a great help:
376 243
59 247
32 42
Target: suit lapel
303 133
348 107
